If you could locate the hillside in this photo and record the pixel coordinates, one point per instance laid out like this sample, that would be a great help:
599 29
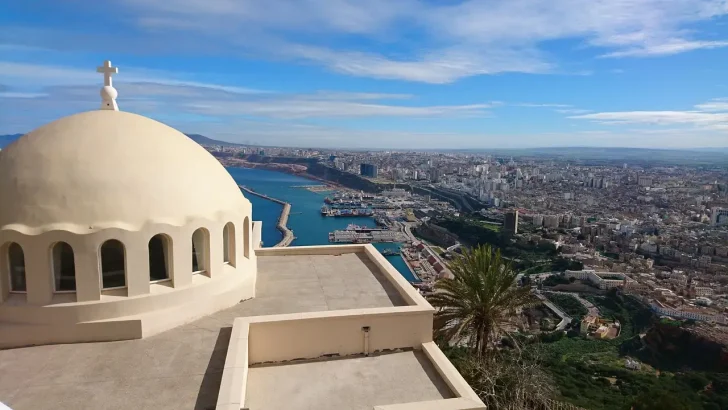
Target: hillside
203 140
6 140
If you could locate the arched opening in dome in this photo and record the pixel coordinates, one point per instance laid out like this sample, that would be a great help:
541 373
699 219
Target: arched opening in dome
200 251
228 243
64 267
16 267
160 257
246 237
113 264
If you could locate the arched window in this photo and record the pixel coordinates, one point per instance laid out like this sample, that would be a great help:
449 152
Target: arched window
113 264
228 243
64 267
16 262
246 237
200 250
160 257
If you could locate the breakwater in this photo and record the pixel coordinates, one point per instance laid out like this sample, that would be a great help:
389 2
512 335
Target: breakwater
282 224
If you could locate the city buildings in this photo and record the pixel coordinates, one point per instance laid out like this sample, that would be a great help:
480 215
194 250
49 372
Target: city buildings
652 224
603 280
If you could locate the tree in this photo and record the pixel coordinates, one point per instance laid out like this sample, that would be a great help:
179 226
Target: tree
479 300
508 380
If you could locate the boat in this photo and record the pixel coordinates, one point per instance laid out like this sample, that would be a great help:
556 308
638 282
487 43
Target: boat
347 212
345 204
390 252
362 229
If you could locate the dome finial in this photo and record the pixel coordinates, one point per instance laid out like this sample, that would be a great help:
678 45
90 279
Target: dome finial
108 92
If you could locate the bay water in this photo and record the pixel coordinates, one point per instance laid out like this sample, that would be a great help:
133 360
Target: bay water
308 225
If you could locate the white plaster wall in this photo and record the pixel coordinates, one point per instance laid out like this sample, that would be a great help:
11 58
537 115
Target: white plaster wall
222 286
323 333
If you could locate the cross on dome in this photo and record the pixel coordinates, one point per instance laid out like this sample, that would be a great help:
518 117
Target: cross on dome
108 71
108 92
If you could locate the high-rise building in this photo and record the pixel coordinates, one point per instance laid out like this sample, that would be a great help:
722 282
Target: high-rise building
368 170
551 221
644 181
511 222
719 217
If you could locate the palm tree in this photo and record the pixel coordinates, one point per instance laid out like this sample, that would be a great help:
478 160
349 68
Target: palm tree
479 300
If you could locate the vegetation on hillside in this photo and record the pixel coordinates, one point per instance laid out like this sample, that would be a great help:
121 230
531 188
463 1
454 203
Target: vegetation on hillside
519 371
568 304
525 257
592 373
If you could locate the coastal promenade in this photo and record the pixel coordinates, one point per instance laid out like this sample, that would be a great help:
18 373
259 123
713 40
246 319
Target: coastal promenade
282 225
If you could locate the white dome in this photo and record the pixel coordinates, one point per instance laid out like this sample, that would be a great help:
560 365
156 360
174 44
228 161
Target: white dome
102 169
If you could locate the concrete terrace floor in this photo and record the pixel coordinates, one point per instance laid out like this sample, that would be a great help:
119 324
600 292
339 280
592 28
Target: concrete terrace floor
182 368
357 383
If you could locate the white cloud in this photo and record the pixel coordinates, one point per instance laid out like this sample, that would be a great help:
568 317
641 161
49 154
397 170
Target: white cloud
258 132
712 115
147 90
656 117
572 111
546 105
716 104
299 107
11 94
436 42
40 75
666 48
436 67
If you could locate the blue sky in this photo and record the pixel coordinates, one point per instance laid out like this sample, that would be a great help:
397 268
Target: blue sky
380 73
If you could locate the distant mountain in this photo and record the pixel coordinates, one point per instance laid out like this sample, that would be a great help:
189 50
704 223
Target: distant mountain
203 140
5 140
593 155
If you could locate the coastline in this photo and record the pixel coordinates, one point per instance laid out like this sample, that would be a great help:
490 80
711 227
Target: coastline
291 191
290 169
411 268
282 224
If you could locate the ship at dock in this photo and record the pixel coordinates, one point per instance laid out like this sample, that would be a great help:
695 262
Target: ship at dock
357 234
363 229
390 252
340 212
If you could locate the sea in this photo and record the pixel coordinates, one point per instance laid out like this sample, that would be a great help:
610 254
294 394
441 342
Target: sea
305 220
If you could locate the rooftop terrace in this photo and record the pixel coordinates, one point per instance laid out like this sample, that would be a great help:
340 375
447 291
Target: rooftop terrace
356 383
182 368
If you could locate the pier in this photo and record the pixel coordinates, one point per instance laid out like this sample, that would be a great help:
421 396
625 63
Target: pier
365 237
282 225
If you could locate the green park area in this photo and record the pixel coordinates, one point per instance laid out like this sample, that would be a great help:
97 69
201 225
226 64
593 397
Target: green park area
526 257
569 304
592 374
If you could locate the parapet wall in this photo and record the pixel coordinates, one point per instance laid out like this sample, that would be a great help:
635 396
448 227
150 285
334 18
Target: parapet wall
336 333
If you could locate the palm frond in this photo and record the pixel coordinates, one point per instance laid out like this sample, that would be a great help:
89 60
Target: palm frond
479 299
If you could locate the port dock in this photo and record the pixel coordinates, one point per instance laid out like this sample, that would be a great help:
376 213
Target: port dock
346 236
282 224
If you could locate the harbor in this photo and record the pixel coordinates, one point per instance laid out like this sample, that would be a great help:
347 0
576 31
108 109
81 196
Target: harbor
388 228
282 224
